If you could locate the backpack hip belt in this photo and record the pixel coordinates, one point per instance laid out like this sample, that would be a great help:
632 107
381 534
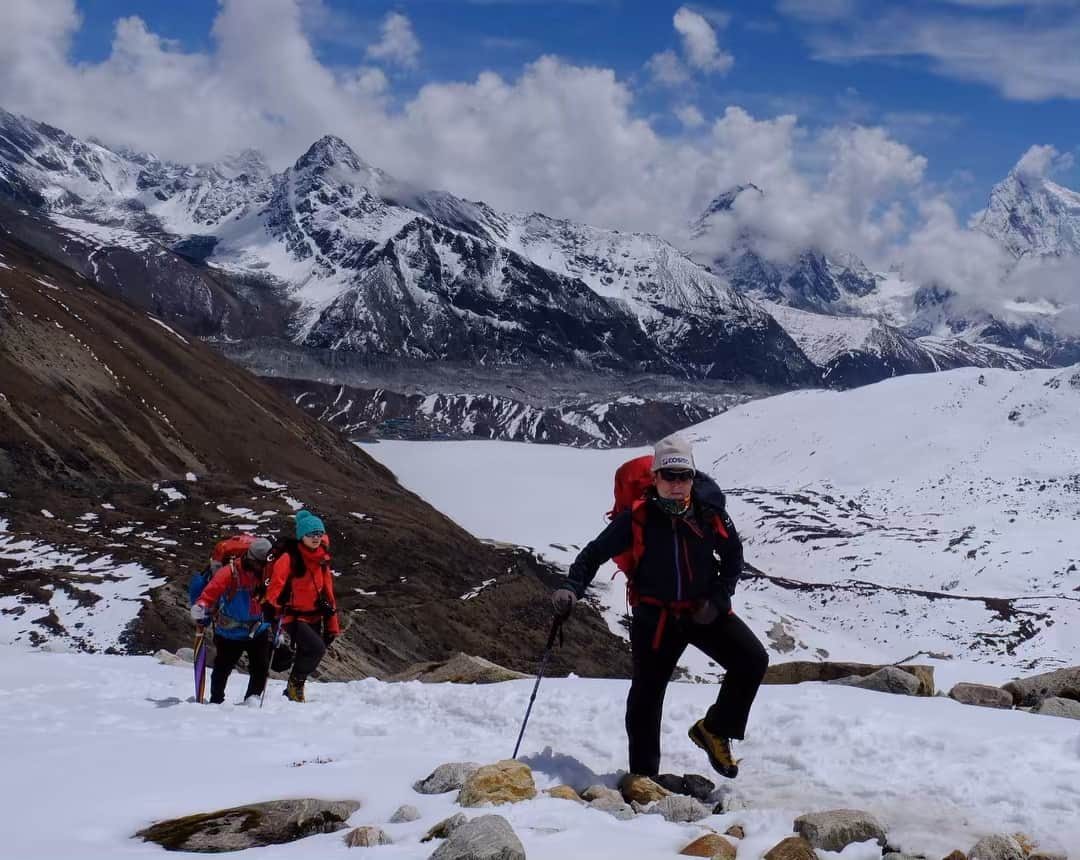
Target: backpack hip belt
674 607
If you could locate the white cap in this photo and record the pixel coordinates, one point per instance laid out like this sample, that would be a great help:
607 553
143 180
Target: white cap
673 452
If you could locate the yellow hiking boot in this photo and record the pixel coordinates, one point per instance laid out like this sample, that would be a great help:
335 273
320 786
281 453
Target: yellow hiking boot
294 690
718 750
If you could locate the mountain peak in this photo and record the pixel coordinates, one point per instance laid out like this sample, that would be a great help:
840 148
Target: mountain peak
328 151
1031 215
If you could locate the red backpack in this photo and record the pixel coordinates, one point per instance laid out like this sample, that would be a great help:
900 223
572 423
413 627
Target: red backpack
632 480
232 547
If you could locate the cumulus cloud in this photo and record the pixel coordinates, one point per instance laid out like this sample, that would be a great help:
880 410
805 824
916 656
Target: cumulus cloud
1041 161
699 42
398 44
667 69
556 137
690 116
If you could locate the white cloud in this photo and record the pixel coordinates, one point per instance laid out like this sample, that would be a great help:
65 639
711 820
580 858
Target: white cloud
398 44
557 138
699 42
690 116
667 69
1042 161
1026 60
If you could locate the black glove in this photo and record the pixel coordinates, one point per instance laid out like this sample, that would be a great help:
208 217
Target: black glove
328 639
562 602
705 613
269 613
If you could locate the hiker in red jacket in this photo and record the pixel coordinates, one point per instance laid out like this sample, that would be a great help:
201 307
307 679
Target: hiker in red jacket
688 558
301 591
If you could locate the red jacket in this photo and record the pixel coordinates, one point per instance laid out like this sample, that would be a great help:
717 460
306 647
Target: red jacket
305 588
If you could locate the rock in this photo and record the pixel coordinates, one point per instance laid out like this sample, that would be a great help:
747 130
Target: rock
680 808
956 855
459 669
488 837
641 789
613 806
446 777
736 830
895 855
724 799
367 837
1055 706
798 671
256 825
507 781
710 845
186 654
167 658
444 828
836 828
564 792
405 813
983 695
887 680
595 792
698 786
672 782
1028 692
1043 855
792 848
996 847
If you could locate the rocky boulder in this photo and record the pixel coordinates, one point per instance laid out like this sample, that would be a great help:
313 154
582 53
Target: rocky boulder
798 671
614 806
887 680
680 808
459 669
1054 706
256 825
710 845
982 695
837 828
564 792
641 789
1028 692
997 847
792 848
444 828
404 814
446 777
367 837
691 784
507 781
488 837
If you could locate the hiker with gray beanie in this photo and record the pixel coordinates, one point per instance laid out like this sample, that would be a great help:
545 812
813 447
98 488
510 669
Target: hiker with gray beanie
683 558
229 601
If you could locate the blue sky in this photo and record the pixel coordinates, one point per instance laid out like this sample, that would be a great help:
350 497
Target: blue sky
971 131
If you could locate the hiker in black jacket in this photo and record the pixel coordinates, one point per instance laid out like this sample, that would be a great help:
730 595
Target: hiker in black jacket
688 560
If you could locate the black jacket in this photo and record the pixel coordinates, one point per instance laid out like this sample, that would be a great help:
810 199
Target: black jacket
685 558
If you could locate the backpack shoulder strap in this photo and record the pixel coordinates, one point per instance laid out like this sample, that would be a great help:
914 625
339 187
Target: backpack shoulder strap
637 529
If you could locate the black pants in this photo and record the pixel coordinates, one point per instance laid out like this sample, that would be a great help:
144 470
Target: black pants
229 652
308 642
727 640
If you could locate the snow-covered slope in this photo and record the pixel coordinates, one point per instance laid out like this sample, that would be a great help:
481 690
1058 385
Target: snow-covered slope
919 765
931 513
1032 215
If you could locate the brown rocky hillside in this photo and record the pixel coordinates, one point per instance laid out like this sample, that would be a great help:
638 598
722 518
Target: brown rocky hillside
124 439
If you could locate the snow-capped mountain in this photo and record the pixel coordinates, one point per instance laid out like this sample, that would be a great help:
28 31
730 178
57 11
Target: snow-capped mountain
1031 215
892 326
377 267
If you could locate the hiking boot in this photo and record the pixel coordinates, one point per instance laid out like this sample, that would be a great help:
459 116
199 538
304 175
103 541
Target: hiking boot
718 750
294 690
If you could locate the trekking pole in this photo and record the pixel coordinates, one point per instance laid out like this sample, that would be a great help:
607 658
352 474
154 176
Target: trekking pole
273 647
555 625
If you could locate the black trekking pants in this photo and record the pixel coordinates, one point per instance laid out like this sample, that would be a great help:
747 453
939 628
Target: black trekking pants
228 654
308 642
727 640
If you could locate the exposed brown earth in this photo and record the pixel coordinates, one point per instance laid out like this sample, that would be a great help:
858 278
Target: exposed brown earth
99 402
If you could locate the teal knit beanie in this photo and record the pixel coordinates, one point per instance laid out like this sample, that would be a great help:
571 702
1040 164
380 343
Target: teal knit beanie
306 523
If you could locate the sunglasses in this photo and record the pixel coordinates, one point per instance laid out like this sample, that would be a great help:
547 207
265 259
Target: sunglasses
318 535
675 474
